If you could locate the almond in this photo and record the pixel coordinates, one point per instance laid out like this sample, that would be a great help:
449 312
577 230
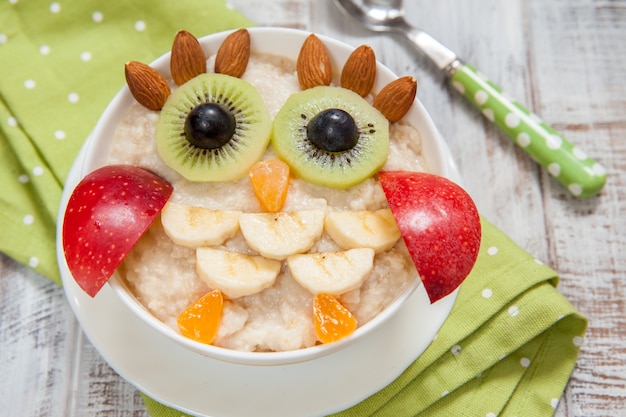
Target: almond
187 58
359 71
395 99
146 84
233 55
313 63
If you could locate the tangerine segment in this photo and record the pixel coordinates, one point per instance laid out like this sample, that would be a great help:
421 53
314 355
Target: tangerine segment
332 320
201 319
270 181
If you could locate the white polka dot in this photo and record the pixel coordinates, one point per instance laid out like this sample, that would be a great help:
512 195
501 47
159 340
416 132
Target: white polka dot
97 16
140 26
44 49
487 293
28 219
599 169
73 98
488 113
480 97
579 153
554 141
85 56
30 84
3 38
578 341
458 87
492 250
443 394
55 8
513 311
13 1
512 120
490 415
575 189
23 178
523 139
456 350
554 169
59 134
37 171
554 403
525 362
12 121
33 261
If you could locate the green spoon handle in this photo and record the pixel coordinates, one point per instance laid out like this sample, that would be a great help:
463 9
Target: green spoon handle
570 165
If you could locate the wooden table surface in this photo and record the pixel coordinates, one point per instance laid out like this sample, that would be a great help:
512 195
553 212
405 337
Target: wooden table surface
565 59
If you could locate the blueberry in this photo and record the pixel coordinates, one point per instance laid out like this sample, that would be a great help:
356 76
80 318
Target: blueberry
333 130
209 126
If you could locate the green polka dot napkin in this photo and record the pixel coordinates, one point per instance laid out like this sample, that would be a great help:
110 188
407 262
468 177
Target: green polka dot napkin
507 348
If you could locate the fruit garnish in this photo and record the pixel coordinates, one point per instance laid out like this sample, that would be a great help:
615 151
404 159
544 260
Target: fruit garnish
313 64
333 130
195 135
332 272
396 98
278 235
146 85
270 182
359 71
363 229
321 163
233 55
106 214
209 126
200 321
236 274
187 59
193 226
440 225
332 320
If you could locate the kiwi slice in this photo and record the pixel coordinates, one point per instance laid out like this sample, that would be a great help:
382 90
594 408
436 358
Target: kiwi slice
331 136
213 128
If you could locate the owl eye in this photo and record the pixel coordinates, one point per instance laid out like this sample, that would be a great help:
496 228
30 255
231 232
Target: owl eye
331 136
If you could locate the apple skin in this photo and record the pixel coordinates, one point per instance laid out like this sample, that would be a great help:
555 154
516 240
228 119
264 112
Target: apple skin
440 226
107 213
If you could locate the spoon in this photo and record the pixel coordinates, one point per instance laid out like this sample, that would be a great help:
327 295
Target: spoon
570 165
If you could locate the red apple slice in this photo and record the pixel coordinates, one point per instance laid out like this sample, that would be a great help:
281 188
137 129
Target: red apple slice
440 225
107 213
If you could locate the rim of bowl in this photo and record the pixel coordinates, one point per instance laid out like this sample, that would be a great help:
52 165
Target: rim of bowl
284 42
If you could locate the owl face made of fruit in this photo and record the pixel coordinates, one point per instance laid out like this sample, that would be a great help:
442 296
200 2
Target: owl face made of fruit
213 127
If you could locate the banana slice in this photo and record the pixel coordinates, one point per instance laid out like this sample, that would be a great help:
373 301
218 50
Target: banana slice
278 235
332 272
363 229
193 226
235 274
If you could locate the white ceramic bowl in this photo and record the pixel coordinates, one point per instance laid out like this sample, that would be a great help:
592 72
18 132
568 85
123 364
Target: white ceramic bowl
281 42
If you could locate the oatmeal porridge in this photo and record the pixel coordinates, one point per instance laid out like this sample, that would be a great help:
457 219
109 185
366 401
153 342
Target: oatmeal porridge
163 275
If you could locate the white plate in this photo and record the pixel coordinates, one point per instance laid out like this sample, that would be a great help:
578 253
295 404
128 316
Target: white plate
199 385
203 386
